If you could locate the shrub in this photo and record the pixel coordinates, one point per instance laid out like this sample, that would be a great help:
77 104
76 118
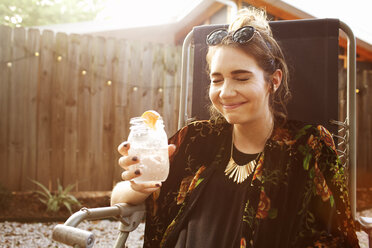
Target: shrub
55 200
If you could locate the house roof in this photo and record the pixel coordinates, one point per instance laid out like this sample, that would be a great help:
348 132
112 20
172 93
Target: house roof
134 24
355 14
184 14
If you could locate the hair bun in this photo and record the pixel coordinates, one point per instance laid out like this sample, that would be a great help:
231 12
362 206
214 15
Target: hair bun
256 18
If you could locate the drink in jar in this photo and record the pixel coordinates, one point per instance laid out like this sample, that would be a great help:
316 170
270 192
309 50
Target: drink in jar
149 142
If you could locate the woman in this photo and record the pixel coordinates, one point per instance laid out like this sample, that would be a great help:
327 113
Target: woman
248 177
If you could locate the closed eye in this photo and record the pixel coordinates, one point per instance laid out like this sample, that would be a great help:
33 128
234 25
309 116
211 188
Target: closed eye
216 77
242 79
241 75
215 81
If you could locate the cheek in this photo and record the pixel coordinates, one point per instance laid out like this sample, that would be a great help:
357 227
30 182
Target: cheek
260 91
212 93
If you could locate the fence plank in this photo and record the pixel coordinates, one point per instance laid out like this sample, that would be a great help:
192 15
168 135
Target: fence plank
147 88
171 89
120 71
364 117
85 92
17 111
44 121
135 80
30 85
5 75
70 106
98 82
167 92
177 87
157 80
367 87
58 92
108 148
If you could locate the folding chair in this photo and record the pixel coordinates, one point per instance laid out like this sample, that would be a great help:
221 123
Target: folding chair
310 45
311 50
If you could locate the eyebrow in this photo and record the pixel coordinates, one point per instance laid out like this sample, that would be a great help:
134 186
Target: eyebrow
215 74
236 72
241 72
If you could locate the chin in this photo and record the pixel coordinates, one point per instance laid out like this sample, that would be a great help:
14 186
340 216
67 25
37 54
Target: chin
233 119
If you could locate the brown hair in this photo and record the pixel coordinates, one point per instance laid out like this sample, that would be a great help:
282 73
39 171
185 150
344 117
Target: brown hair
267 53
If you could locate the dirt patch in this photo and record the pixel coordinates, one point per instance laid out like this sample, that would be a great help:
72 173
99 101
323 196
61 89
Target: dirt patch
26 206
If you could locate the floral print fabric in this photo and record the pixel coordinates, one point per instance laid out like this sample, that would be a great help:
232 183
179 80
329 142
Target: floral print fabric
299 195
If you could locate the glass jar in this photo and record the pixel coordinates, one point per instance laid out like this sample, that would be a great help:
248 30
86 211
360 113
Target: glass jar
150 145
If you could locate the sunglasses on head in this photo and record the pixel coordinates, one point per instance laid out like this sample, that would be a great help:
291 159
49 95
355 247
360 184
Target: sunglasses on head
242 36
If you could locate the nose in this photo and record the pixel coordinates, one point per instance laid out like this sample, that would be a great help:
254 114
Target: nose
227 90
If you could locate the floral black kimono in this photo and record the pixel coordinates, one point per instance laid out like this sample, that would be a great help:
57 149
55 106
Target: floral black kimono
297 193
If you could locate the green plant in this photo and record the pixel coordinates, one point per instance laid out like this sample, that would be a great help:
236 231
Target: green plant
5 197
55 200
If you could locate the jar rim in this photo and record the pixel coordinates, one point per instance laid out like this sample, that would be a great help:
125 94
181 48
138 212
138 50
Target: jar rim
139 118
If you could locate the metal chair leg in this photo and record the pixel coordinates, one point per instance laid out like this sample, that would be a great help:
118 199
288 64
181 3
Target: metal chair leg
366 224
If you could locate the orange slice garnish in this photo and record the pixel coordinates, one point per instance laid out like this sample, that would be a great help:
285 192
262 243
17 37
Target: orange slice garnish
151 118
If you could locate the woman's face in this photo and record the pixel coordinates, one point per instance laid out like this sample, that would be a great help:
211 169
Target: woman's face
238 89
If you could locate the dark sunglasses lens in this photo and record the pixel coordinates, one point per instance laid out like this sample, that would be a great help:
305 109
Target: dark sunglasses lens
216 37
243 35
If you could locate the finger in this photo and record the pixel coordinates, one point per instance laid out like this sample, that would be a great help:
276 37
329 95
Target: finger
126 161
171 149
130 174
123 148
145 187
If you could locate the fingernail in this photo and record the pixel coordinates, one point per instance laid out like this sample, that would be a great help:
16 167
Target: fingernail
134 158
137 172
157 185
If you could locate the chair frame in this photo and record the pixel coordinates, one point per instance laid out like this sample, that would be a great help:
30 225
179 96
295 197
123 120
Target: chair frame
348 126
68 233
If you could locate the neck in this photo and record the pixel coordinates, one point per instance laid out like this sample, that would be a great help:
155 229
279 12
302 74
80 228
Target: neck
251 137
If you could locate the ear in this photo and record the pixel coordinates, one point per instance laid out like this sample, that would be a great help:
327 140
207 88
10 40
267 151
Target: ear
276 79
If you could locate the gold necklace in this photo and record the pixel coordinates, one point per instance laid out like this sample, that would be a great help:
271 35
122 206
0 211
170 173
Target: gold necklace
240 173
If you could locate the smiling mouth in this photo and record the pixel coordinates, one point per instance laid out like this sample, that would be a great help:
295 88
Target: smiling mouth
232 106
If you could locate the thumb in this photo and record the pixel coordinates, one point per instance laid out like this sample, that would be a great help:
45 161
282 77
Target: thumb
171 149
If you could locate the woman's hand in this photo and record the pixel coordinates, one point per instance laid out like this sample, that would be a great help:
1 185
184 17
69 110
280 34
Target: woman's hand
128 191
127 162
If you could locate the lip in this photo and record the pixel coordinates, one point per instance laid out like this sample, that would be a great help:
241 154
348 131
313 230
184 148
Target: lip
232 105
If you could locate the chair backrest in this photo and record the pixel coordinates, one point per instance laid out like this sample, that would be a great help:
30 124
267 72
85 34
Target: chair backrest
311 50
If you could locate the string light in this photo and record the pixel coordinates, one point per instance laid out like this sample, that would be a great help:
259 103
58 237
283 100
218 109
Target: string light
357 91
109 82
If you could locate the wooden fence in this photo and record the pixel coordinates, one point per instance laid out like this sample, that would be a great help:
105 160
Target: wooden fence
364 127
66 101
364 119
